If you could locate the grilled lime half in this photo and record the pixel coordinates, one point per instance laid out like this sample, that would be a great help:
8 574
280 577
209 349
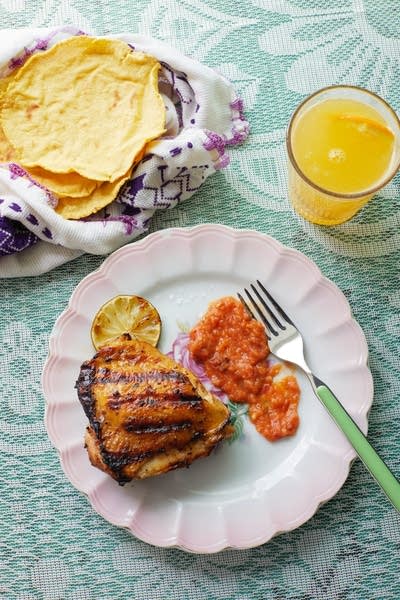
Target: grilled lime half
126 314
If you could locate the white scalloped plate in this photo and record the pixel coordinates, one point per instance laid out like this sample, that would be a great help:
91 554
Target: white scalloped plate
250 490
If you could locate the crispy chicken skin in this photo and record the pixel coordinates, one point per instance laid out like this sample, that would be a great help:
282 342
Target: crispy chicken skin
147 414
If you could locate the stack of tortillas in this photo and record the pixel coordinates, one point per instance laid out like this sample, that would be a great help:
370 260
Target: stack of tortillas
77 118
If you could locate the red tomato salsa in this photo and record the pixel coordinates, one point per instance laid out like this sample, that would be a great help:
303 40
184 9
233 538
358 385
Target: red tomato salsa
233 349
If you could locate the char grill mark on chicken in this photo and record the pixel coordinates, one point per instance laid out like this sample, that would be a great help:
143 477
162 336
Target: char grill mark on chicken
147 413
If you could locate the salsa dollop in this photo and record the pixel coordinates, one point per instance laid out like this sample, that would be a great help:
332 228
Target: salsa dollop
233 349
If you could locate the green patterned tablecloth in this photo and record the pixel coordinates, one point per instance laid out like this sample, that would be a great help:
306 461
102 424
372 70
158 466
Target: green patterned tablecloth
52 544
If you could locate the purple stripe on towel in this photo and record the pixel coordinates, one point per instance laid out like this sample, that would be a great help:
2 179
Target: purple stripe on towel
14 237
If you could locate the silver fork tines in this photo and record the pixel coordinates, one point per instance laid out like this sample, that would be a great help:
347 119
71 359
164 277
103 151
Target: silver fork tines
273 302
270 328
264 310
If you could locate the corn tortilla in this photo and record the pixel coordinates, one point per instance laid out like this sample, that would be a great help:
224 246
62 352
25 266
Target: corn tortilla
104 194
86 106
7 151
62 184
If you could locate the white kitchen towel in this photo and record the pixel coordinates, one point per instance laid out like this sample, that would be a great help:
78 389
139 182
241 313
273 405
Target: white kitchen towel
204 117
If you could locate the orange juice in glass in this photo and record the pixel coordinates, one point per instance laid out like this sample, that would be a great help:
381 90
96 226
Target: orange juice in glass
343 144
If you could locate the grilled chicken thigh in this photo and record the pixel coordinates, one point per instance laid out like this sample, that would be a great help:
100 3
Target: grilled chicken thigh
147 413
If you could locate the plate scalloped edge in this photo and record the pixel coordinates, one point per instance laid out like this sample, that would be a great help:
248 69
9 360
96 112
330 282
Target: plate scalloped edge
269 528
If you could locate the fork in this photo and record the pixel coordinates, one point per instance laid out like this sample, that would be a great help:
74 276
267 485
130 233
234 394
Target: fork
286 343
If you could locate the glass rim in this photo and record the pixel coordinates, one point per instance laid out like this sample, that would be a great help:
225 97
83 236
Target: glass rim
339 195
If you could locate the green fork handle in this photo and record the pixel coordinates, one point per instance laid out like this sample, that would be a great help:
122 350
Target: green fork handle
378 469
